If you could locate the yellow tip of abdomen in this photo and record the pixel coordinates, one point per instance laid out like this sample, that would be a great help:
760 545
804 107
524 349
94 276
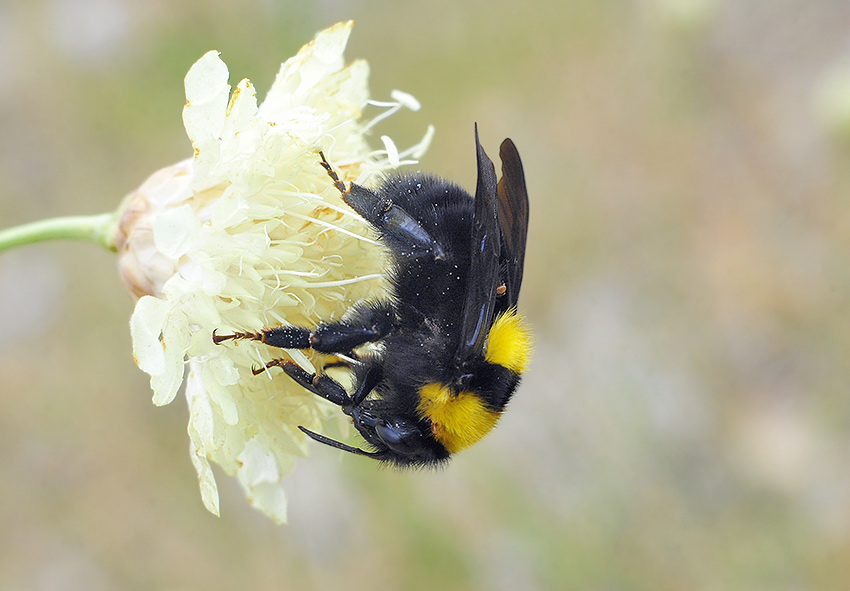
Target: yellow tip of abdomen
509 342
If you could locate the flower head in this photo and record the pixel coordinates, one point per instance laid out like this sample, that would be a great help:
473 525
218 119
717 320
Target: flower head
251 233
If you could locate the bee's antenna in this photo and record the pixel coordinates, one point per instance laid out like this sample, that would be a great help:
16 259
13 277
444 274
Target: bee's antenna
339 445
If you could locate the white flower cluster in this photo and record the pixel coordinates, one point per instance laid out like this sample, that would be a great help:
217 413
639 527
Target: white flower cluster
252 233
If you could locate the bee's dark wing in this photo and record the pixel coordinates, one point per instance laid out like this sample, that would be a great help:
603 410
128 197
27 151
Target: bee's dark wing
483 278
513 221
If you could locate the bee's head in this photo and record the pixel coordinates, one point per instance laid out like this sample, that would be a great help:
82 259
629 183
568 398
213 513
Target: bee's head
398 439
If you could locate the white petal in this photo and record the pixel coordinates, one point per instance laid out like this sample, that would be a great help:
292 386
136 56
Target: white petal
206 479
146 331
226 405
260 476
201 417
158 346
270 499
202 277
297 119
207 95
166 384
229 210
299 74
329 44
242 109
223 370
175 231
242 134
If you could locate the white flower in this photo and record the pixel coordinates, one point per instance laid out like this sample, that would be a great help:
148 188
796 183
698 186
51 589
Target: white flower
252 233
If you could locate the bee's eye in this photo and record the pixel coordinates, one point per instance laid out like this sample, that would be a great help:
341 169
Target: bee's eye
400 436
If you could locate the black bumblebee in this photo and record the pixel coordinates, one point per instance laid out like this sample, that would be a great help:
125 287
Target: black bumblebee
453 344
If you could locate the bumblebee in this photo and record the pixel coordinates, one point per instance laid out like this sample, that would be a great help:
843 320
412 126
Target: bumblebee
453 346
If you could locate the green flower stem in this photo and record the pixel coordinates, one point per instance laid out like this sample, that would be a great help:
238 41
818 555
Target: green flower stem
93 228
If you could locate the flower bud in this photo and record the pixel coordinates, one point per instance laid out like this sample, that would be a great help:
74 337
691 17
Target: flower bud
144 269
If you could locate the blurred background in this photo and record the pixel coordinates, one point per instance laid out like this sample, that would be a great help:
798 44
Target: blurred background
686 420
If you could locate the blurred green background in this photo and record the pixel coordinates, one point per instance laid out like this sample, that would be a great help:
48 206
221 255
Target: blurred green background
686 420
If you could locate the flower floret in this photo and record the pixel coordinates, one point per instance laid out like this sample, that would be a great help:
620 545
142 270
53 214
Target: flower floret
251 233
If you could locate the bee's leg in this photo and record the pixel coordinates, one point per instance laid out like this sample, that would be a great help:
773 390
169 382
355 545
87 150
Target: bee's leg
368 323
365 385
321 384
273 363
332 337
387 217
329 389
